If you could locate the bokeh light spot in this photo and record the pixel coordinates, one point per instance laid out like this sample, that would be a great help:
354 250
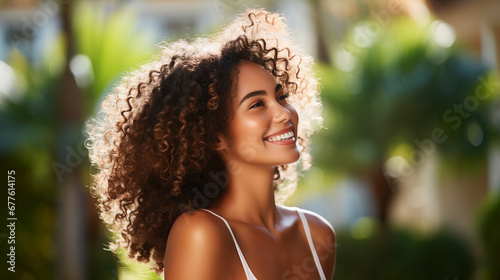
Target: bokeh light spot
444 35
8 82
344 60
475 134
81 67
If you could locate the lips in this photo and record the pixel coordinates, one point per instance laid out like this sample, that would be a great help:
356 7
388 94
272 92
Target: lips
282 135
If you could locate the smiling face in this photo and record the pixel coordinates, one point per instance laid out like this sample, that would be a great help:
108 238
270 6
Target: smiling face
263 127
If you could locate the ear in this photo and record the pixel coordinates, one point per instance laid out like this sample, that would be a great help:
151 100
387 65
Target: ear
222 143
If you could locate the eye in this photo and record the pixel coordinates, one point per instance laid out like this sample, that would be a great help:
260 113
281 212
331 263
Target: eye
257 104
283 97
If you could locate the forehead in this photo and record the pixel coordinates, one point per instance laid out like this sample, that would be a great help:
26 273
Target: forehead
252 76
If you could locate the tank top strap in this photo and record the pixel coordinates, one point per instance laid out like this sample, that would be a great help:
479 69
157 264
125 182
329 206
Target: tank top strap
248 271
311 244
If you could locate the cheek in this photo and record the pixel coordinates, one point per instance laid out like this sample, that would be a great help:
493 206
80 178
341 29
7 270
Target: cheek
249 127
247 134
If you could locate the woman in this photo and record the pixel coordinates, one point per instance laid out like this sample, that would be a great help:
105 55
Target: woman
197 150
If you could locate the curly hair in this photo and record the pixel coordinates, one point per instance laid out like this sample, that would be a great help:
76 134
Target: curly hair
153 141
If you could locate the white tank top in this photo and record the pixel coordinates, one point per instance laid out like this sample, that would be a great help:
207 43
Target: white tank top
248 271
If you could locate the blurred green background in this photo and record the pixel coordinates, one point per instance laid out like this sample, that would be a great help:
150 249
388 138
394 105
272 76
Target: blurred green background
407 168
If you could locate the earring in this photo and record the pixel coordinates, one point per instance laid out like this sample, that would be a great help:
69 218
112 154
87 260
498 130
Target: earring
276 174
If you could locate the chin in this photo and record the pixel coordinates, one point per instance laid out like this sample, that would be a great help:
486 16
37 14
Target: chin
286 159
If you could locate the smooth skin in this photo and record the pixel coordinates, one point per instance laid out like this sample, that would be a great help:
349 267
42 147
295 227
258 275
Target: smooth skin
271 236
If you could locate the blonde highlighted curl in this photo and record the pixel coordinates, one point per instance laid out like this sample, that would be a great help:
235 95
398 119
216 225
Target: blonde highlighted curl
153 140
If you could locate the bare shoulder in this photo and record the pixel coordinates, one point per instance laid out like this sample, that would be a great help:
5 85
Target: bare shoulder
197 225
197 239
324 240
318 224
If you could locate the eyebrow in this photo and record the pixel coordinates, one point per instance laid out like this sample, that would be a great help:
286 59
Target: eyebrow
259 92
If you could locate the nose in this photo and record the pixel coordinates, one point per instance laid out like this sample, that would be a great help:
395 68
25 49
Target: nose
281 114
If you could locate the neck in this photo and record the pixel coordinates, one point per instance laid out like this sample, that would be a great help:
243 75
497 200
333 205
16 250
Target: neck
250 196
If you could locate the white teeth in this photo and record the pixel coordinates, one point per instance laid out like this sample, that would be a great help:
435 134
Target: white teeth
282 136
